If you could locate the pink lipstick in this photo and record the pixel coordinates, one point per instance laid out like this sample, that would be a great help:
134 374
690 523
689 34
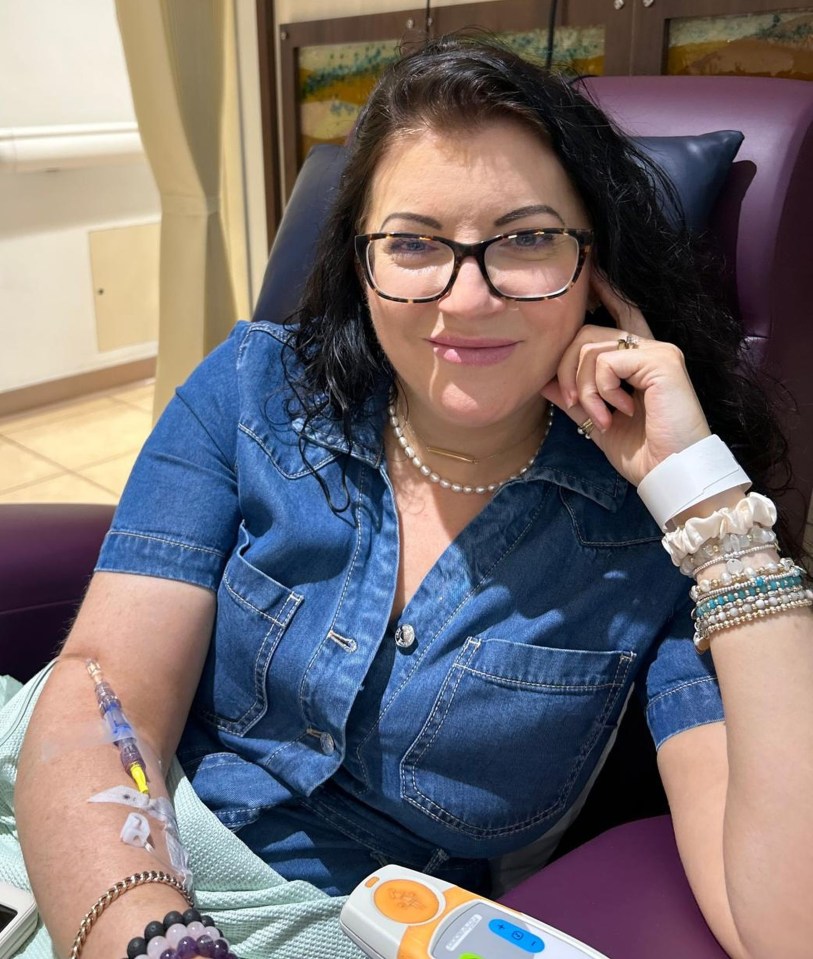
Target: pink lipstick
472 352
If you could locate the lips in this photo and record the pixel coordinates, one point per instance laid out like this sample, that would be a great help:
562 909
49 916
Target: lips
479 352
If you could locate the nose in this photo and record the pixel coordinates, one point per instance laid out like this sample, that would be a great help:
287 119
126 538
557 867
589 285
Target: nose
470 292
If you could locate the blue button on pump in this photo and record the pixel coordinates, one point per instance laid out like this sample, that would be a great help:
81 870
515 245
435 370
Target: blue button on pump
517 936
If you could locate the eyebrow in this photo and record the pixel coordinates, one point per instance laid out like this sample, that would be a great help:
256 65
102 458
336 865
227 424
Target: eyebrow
524 211
518 214
414 218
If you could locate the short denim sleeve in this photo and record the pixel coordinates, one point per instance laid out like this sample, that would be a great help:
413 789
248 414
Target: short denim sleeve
681 688
179 514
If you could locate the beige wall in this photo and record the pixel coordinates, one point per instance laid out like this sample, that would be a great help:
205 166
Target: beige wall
293 11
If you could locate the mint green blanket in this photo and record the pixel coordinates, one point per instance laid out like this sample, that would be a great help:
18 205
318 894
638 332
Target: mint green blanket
263 915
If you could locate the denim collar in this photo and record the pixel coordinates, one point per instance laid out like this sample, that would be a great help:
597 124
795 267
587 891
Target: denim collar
368 430
572 462
565 458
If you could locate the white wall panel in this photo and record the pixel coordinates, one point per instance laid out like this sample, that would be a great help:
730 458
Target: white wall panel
66 108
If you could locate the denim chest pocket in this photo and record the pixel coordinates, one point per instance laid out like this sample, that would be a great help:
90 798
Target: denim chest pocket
253 612
509 735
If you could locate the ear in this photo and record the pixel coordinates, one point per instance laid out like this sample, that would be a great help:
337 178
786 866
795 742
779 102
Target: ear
593 299
623 313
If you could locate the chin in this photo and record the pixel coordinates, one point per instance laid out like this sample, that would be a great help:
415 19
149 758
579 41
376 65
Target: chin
474 412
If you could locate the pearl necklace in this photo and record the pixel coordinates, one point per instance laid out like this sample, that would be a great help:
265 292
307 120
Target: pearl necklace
433 477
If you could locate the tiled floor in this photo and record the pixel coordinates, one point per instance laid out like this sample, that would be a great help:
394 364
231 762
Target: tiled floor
80 451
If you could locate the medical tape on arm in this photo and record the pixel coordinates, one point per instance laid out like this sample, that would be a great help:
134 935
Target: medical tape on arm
134 834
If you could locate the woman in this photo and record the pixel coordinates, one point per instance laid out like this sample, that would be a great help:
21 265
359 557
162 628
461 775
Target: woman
428 596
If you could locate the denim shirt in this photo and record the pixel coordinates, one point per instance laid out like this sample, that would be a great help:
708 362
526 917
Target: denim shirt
475 734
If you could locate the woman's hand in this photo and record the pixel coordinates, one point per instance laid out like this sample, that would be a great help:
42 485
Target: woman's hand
635 430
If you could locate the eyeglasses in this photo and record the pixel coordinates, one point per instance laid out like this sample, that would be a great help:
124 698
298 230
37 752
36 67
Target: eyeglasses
526 265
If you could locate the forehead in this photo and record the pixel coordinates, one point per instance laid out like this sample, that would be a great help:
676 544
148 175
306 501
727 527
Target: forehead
469 176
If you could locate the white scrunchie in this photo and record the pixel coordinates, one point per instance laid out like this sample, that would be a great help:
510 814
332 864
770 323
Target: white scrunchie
753 510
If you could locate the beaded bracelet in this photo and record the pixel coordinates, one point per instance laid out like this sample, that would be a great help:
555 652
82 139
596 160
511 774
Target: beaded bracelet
180 936
730 546
702 639
731 600
756 589
728 605
729 557
745 576
745 595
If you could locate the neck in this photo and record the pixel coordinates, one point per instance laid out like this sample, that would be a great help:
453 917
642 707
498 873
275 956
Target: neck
471 455
476 440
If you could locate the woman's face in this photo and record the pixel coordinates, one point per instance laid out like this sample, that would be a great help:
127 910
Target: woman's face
472 358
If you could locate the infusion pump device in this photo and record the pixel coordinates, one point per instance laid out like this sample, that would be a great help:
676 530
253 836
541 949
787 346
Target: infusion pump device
18 918
397 913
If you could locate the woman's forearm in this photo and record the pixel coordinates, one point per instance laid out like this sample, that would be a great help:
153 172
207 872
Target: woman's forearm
765 669
150 637
72 847
746 834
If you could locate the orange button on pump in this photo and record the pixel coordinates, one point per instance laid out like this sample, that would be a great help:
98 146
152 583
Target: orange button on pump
405 900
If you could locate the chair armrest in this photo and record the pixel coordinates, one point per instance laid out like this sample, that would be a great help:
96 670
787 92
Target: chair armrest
624 893
47 555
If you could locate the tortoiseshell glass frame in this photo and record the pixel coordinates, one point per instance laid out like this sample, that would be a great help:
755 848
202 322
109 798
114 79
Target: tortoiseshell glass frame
478 250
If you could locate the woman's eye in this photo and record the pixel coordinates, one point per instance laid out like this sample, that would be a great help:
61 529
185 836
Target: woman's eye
403 245
533 241
535 246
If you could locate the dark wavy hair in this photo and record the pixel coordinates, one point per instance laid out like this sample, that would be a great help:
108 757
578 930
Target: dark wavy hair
461 82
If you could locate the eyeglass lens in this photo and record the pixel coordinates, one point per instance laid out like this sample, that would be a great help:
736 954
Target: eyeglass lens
529 265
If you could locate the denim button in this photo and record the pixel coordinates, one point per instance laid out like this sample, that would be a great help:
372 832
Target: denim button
326 742
404 636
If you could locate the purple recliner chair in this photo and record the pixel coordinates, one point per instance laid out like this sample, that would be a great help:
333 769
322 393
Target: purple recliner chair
623 892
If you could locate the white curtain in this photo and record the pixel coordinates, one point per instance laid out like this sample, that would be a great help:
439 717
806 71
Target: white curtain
182 65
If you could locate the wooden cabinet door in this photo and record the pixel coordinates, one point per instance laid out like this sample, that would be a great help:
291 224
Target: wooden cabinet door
723 37
599 25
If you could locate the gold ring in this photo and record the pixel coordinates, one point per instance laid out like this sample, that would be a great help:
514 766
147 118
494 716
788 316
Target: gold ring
586 428
627 342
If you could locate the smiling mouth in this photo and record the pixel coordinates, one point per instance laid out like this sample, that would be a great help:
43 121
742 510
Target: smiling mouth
481 343
482 352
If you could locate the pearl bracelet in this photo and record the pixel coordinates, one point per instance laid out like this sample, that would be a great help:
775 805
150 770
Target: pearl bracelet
732 546
747 576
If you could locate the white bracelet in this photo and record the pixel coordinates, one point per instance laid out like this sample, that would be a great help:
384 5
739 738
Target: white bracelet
683 479
753 510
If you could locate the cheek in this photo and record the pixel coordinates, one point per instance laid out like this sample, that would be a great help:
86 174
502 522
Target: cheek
389 326
395 322
378 316
557 320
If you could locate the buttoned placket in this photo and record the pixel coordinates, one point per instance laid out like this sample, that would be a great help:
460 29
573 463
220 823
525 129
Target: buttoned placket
361 617
343 658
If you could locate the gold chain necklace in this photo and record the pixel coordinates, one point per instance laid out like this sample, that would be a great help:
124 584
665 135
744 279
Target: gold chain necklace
433 477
